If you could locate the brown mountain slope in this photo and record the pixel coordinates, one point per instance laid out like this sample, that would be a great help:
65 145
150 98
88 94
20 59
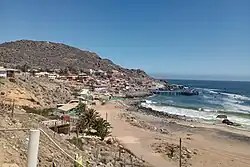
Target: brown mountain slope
50 55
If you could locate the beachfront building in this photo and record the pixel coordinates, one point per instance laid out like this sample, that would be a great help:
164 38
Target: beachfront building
66 108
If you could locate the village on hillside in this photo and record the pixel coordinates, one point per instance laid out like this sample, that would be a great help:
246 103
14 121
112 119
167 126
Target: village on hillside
95 86
111 81
67 117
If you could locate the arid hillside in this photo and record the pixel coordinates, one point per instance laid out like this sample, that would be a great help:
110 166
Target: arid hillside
50 55
35 92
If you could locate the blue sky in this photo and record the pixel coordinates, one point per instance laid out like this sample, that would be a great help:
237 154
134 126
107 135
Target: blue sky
174 37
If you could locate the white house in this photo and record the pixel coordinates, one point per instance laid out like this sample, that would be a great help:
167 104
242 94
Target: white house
3 72
53 76
85 92
41 74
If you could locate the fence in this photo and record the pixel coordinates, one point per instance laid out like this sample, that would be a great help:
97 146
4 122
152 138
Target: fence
33 146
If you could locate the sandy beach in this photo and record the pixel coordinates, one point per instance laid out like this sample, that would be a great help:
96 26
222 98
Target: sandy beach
156 139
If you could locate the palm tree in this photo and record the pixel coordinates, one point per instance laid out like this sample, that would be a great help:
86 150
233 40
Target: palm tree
86 119
102 127
90 119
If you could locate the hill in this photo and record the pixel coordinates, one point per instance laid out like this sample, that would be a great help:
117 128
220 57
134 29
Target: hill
50 55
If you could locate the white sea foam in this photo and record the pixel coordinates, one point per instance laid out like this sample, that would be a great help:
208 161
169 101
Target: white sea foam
236 96
231 102
234 102
148 101
211 91
194 114
182 112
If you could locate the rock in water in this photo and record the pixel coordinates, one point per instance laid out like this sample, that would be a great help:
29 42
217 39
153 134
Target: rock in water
222 116
226 121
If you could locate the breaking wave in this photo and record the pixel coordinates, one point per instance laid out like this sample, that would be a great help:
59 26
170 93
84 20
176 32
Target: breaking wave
206 106
201 114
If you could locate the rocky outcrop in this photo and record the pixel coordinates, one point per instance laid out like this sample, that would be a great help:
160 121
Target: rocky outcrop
159 113
228 122
222 116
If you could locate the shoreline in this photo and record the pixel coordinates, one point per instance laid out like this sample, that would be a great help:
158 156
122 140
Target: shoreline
151 136
134 106
231 119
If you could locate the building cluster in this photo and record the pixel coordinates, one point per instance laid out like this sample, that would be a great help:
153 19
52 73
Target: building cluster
114 82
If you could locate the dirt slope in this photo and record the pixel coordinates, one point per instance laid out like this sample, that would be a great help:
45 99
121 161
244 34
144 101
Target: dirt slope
35 92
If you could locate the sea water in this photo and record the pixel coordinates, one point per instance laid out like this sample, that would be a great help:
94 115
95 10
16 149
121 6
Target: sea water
231 98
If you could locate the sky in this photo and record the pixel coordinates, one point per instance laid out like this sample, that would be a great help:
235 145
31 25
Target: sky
195 39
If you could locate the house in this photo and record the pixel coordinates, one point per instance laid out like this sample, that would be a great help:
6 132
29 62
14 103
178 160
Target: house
82 76
8 72
3 72
11 73
53 76
91 71
72 77
68 107
85 92
42 74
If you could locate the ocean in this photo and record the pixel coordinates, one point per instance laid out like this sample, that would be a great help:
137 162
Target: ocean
231 98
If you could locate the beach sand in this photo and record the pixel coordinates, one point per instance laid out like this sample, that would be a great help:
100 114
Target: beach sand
204 145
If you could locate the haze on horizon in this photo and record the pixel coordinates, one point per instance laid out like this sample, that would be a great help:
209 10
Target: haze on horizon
187 39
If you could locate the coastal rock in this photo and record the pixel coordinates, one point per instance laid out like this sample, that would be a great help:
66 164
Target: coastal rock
226 121
222 116
164 131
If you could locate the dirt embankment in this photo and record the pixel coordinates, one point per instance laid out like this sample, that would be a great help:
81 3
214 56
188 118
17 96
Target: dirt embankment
35 92
14 145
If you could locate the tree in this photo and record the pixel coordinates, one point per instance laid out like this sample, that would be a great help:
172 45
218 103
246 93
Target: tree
102 128
86 119
90 119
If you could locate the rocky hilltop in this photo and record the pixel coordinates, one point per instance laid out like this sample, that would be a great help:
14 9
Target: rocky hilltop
50 55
